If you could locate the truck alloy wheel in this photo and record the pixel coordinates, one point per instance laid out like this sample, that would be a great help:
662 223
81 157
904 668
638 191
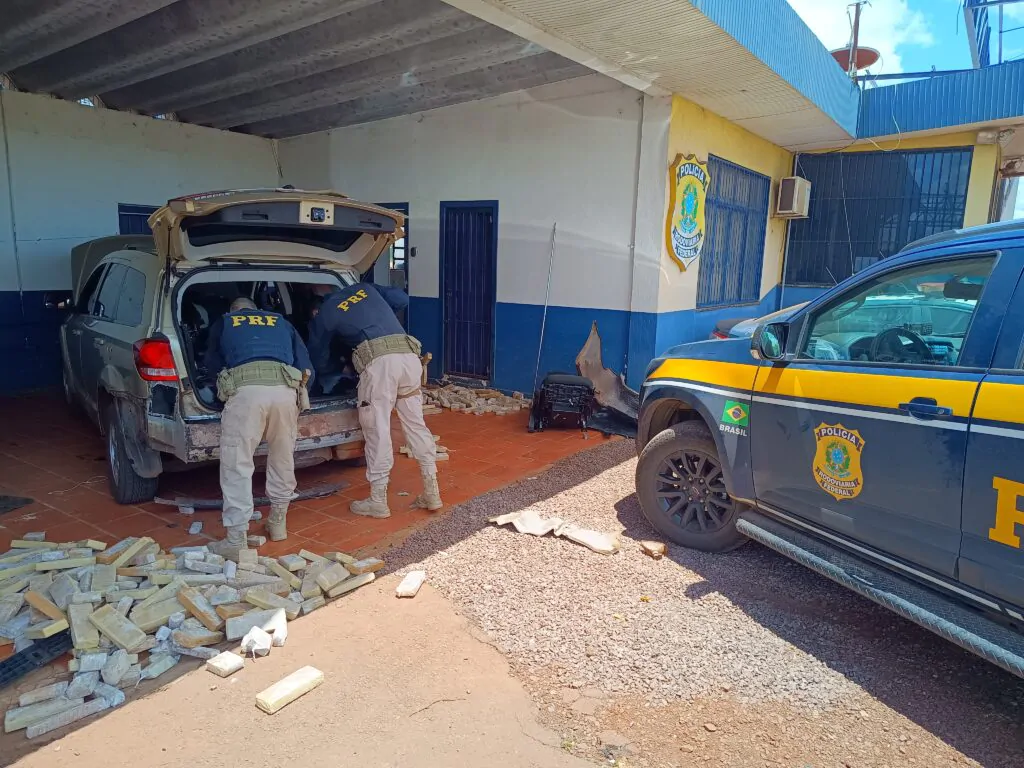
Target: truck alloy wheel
682 489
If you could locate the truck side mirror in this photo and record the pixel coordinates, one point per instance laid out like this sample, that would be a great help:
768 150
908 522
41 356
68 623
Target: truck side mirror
59 300
769 341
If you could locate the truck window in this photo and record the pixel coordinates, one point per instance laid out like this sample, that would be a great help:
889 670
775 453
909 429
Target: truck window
133 296
87 298
918 315
110 291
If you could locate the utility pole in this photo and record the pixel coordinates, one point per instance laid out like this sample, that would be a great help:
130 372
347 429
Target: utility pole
855 38
1000 35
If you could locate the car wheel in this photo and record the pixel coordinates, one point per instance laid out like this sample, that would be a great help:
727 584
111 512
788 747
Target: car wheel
682 489
125 485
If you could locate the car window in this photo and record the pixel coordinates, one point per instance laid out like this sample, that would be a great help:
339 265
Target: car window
914 316
133 296
110 291
87 298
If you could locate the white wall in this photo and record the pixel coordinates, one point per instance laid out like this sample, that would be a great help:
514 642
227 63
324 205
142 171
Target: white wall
565 153
70 165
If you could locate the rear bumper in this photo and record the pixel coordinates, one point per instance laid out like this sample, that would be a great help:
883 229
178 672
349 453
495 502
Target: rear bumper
334 430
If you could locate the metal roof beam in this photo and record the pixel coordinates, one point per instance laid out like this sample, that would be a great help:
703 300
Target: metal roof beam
481 84
449 56
184 33
385 26
34 29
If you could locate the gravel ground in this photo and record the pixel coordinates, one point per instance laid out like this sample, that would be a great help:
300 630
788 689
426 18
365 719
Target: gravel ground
749 626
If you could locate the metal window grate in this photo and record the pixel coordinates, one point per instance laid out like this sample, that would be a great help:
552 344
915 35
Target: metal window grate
866 206
737 217
133 219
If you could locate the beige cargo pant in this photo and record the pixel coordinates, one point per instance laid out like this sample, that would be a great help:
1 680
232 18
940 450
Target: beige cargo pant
392 382
253 414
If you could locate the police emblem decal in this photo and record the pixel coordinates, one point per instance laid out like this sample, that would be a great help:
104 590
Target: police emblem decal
837 461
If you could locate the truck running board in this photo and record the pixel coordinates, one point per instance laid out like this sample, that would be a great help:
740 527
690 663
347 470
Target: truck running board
932 610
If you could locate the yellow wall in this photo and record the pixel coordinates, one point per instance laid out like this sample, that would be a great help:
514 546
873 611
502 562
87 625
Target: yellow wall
984 167
696 131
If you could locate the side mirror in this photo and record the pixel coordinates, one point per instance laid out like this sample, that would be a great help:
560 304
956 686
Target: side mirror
769 341
59 300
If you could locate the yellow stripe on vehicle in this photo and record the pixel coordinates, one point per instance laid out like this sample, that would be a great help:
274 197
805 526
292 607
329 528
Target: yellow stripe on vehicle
732 375
1000 402
879 391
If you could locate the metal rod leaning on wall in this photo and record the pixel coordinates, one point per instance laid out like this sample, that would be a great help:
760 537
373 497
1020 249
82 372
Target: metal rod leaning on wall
547 300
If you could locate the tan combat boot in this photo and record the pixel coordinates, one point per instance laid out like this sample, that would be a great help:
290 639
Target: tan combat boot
430 499
376 505
229 546
277 529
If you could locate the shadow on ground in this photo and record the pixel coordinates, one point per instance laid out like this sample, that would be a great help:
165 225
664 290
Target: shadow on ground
973 706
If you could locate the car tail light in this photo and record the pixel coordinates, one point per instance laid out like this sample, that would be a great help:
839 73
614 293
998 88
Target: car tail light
154 360
719 335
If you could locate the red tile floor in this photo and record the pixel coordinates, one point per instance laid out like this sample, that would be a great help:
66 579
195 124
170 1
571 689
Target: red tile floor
57 459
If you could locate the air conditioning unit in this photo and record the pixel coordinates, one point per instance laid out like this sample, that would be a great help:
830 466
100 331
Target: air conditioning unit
794 198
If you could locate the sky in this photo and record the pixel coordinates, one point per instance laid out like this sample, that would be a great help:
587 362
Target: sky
911 35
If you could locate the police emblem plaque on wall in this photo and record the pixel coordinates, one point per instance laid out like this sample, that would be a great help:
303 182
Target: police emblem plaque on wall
685 225
837 468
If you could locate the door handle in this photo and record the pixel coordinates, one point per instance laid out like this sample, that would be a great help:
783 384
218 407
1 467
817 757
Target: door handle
925 408
98 343
76 331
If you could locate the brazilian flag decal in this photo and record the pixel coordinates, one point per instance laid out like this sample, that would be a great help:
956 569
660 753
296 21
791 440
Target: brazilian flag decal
735 414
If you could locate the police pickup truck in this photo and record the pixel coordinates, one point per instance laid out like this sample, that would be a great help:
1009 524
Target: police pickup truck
875 435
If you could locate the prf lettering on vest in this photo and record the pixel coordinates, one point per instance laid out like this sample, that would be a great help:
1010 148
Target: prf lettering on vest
237 320
355 298
1008 514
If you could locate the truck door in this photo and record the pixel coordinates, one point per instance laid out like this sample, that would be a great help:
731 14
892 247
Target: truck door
992 553
865 433
75 327
95 340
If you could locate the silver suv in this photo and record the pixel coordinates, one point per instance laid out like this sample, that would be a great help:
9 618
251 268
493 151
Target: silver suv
134 343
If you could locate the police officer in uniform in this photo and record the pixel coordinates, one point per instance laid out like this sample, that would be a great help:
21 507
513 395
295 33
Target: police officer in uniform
387 360
259 359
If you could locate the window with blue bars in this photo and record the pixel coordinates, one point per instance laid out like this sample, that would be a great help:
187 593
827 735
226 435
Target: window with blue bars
737 217
866 206
133 219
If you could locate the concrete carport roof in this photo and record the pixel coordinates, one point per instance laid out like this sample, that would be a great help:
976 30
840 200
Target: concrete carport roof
753 62
273 68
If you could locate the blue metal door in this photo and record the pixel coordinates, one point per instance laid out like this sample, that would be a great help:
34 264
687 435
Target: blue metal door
469 258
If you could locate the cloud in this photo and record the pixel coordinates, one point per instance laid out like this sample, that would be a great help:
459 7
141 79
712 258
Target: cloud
886 25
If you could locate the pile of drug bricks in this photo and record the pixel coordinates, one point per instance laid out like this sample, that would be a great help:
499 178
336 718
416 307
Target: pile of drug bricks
475 401
134 611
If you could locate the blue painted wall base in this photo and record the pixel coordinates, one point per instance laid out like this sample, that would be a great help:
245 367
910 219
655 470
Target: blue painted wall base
31 352
623 348
29 345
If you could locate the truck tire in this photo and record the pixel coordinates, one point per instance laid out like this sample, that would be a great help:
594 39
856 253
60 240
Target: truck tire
682 490
125 486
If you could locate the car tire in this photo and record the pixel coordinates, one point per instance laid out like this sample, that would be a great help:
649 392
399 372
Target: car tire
125 485
682 491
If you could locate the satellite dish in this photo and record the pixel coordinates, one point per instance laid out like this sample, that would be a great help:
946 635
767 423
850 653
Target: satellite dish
863 58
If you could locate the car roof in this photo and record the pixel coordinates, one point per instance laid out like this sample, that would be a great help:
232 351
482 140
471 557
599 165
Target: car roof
983 233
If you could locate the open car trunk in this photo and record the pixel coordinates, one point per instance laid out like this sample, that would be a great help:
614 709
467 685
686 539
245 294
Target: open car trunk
271 246
206 294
